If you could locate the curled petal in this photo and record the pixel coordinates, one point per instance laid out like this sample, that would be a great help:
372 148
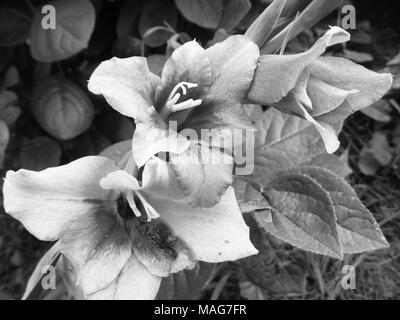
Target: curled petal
326 97
276 75
326 131
119 180
47 202
213 234
293 105
347 75
126 84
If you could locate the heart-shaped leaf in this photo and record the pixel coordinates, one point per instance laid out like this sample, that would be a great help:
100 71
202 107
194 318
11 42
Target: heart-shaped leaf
302 214
357 228
74 25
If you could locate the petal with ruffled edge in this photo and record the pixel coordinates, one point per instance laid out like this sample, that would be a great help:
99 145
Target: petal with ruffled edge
276 75
126 84
47 202
204 173
367 86
214 234
134 282
233 62
188 63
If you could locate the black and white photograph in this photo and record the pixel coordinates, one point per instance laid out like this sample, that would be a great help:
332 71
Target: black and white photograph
227 152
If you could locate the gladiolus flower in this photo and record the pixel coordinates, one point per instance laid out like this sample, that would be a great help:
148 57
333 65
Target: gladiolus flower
198 89
121 230
322 90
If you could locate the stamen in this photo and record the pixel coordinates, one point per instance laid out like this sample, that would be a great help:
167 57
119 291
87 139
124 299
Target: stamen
182 86
174 100
151 212
171 106
186 105
131 201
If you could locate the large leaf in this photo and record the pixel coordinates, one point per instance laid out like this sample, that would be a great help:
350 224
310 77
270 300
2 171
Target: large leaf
301 214
283 141
75 21
357 228
205 13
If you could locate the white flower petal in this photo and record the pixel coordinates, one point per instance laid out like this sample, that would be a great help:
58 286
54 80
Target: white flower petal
159 180
98 248
347 75
117 151
133 283
153 136
276 75
126 84
214 234
188 63
203 173
47 202
119 180
233 62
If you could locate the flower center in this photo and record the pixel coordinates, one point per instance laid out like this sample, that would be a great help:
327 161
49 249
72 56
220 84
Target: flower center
133 204
172 106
